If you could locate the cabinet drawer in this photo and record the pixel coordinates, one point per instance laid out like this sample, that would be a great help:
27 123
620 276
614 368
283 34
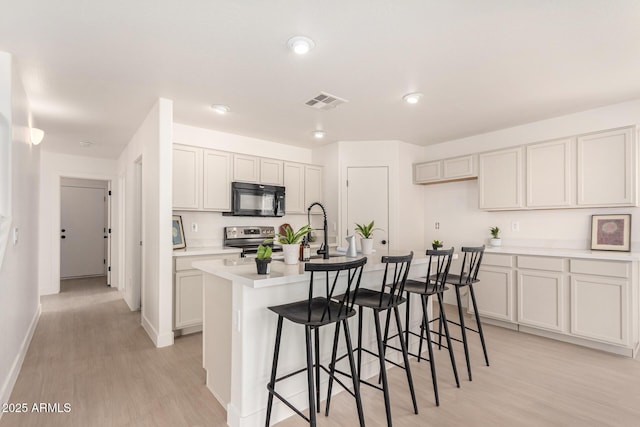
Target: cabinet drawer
541 263
601 268
184 262
497 260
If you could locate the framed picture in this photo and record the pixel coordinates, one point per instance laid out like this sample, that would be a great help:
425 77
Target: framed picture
611 232
178 233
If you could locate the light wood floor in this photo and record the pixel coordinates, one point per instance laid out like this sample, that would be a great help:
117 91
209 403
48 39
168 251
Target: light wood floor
89 350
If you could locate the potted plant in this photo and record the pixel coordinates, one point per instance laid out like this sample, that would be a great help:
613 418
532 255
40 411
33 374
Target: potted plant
290 242
263 259
366 231
437 244
495 234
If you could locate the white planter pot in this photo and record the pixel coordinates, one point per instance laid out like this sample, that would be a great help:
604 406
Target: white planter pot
291 253
367 246
496 242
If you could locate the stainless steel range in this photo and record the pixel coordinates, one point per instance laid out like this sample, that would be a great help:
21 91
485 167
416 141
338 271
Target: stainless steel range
248 238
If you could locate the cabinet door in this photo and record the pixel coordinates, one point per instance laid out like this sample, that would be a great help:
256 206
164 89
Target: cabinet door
294 187
549 174
495 293
246 168
541 299
187 177
500 176
271 172
188 298
312 185
427 172
607 168
599 308
458 168
217 180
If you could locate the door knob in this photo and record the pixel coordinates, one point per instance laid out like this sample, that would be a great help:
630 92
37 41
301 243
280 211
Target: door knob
63 237
63 230
384 242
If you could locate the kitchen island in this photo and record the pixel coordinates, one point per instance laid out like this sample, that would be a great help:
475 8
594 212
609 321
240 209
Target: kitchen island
239 333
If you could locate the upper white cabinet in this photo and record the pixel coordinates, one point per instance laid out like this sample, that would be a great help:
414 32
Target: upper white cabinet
550 174
187 177
271 172
312 185
217 180
607 168
500 179
454 169
294 187
246 168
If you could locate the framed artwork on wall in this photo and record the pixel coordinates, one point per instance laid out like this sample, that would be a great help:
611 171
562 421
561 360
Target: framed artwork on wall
611 232
178 233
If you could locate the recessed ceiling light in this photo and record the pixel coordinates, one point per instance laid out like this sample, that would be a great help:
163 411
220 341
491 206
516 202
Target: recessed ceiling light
300 44
412 98
86 144
319 134
220 109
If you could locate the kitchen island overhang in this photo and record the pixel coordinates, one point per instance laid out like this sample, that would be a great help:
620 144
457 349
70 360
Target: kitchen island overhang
239 332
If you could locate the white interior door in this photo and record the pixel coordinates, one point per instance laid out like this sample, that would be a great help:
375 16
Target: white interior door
367 200
83 226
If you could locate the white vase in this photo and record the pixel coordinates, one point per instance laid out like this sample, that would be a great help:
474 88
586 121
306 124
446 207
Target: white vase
367 246
291 253
496 242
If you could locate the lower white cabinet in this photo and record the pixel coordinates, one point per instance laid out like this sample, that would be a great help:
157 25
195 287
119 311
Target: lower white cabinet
495 293
187 292
541 299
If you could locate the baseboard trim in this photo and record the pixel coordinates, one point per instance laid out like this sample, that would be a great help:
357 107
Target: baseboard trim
159 340
10 382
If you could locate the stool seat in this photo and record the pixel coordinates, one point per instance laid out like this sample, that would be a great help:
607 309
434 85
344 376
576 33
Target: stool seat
418 287
464 280
375 299
317 312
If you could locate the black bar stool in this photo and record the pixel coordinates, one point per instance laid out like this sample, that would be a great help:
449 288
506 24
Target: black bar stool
314 313
396 271
467 277
434 284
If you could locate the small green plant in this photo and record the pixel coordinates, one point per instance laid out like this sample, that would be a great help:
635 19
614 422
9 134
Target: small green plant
289 237
365 230
437 243
495 231
264 252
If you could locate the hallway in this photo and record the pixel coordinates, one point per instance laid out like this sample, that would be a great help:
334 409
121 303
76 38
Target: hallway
90 351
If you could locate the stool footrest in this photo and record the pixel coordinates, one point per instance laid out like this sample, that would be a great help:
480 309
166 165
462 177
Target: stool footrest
283 400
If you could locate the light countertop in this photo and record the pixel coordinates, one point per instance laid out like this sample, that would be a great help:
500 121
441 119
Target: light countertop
565 253
205 250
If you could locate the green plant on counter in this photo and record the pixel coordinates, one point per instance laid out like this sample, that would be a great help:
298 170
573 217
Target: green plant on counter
495 231
437 243
365 230
289 237
264 252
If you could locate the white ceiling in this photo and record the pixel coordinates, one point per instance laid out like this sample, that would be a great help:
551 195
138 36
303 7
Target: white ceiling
93 69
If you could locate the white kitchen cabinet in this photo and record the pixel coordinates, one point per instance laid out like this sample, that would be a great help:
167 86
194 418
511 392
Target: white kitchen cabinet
607 168
294 178
246 168
187 177
271 172
550 176
500 179
188 295
312 185
454 169
541 301
495 292
217 180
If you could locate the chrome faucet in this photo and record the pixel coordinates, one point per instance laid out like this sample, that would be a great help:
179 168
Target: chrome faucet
324 249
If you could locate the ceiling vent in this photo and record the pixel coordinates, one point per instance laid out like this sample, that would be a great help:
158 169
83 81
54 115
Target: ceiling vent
324 101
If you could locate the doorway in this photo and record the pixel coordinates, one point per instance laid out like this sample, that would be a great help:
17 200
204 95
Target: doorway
84 228
368 200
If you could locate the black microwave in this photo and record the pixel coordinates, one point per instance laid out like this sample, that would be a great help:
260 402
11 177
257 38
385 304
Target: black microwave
256 200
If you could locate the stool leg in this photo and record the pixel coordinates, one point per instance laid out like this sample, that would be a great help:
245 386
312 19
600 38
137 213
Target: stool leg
423 327
312 397
332 368
463 328
317 353
360 314
405 355
386 338
274 367
383 371
443 316
475 310
440 322
432 362
356 379
407 320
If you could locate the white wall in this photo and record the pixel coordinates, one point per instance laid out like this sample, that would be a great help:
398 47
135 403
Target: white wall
153 142
19 302
211 224
55 166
